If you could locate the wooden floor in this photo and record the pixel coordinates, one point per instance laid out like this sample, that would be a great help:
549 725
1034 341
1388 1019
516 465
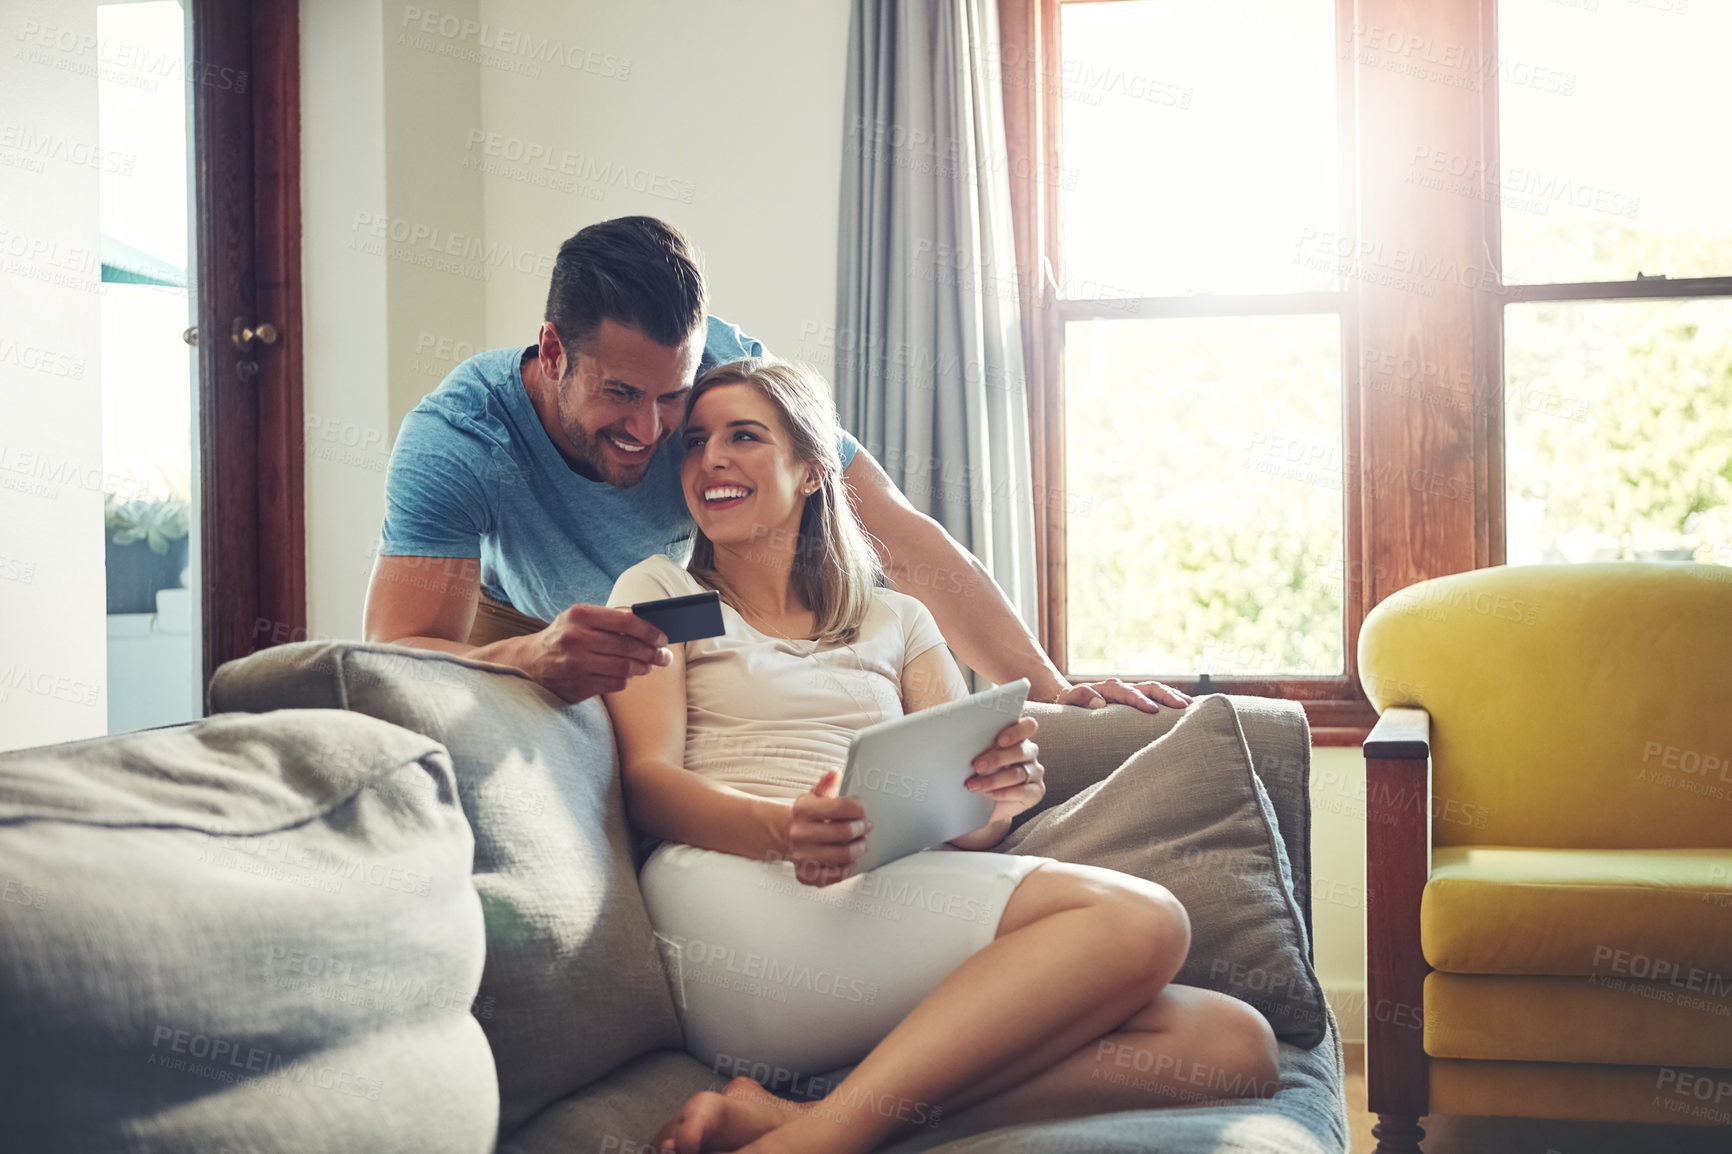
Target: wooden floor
1528 1135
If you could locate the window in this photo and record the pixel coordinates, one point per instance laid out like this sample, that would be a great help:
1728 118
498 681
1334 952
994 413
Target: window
1617 250
1210 452
1315 337
1154 205
1204 410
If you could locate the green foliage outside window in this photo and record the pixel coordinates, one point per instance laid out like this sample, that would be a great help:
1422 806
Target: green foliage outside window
1205 467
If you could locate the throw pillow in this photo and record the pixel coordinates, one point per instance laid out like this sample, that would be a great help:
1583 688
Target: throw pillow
246 933
1188 812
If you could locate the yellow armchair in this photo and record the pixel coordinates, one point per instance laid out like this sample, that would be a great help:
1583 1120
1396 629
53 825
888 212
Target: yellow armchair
1549 846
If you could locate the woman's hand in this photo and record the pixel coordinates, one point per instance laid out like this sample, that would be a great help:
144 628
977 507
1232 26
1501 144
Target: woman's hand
1009 771
826 833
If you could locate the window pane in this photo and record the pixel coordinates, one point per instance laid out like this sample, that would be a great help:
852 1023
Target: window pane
1204 471
1619 442
1199 145
1614 124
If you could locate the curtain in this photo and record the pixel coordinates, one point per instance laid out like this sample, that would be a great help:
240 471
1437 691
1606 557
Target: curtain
929 370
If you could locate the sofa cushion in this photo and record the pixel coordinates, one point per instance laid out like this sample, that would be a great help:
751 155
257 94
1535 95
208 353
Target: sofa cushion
1641 914
247 933
620 1112
1615 1021
1187 811
573 986
1091 743
1308 1115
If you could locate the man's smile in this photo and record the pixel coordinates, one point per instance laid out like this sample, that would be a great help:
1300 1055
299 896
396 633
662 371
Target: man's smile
632 449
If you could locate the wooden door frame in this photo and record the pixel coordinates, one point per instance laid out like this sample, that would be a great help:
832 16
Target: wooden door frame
245 79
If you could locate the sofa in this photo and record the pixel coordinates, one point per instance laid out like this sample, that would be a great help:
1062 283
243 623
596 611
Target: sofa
386 900
1549 846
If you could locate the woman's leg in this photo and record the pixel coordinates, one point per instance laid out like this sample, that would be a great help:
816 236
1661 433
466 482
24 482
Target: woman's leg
1181 1046
1079 951
1186 1046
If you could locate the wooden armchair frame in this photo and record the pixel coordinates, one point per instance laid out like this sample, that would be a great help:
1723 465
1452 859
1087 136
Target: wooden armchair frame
1397 866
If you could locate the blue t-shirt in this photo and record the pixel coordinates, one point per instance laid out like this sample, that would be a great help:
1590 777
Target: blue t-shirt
474 474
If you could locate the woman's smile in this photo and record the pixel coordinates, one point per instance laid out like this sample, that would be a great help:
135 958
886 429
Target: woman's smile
724 494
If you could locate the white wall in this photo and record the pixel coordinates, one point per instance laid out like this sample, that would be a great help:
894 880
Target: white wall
1338 882
381 208
53 594
729 113
436 238
726 116
344 304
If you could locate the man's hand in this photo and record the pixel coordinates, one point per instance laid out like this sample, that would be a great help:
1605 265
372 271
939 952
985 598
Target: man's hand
1147 696
588 650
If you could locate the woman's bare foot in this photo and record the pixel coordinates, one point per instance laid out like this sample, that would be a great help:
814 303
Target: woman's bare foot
743 1112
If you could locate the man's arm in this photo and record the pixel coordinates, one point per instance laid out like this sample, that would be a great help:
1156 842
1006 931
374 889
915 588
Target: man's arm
427 579
976 618
429 603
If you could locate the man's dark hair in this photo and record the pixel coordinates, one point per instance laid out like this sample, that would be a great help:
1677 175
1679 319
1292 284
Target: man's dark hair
635 271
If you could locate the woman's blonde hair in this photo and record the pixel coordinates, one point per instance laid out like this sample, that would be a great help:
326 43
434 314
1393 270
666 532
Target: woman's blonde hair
835 567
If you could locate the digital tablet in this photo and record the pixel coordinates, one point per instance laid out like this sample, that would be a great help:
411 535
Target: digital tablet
910 772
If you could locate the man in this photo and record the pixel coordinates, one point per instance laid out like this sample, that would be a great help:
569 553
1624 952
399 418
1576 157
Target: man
524 484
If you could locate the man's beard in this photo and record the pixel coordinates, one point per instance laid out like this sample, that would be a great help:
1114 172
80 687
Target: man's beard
595 456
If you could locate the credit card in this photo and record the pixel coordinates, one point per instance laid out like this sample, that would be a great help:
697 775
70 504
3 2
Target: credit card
687 618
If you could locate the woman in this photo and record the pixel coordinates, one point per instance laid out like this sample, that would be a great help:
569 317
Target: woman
1006 988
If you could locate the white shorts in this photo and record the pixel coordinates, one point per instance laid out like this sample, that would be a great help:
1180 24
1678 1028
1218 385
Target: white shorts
772 975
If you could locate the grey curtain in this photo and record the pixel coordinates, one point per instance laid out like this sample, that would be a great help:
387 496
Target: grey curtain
928 366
